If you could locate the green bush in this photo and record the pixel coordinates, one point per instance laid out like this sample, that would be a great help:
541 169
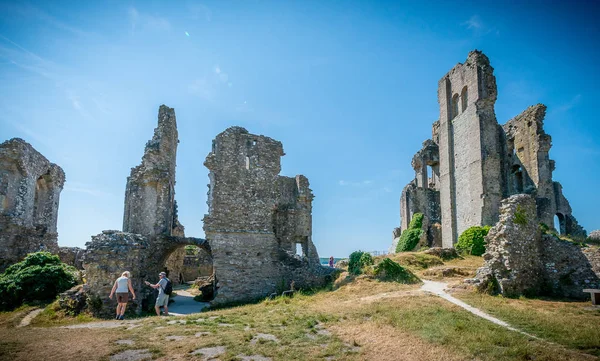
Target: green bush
388 270
191 250
472 241
39 277
358 260
408 240
410 237
416 222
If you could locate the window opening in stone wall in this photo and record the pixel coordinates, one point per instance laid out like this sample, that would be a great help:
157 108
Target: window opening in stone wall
254 142
299 251
454 106
559 223
41 196
464 98
430 177
518 178
247 162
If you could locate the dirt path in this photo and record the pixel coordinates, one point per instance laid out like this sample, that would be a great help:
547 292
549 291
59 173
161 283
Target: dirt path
438 289
30 316
184 303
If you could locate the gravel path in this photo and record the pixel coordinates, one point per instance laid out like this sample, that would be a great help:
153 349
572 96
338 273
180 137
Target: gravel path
438 289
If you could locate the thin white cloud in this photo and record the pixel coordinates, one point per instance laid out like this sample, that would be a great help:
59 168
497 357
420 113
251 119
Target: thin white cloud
146 21
90 189
570 104
363 183
478 27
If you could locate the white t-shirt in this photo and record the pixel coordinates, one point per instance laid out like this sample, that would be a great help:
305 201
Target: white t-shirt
122 286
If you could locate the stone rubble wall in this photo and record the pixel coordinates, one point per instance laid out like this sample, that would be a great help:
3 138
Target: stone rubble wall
30 189
111 253
256 218
150 191
519 260
73 256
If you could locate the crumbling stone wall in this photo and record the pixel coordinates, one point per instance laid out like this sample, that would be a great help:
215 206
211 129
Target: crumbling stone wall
150 193
470 163
256 218
481 162
519 260
30 189
112 252
72 256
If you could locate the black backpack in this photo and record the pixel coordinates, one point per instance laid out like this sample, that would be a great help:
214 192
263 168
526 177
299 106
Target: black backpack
168 288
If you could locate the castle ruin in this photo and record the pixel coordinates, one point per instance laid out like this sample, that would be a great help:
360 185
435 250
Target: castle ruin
471 162
256 220
30 189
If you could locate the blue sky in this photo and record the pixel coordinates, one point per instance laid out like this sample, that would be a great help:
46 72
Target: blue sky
348 87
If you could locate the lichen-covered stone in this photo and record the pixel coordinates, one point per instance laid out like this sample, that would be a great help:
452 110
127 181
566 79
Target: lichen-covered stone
30 189
519 260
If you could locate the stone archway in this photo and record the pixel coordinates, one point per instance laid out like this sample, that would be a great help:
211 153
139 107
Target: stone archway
112 252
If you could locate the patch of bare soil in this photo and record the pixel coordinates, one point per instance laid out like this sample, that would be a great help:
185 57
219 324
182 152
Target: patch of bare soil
383 342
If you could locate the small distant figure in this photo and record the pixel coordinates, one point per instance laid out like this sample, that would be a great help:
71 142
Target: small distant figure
331 261
122 287
163 293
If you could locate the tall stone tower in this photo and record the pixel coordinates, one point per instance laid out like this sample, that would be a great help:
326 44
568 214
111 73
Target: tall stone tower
470 148
150 208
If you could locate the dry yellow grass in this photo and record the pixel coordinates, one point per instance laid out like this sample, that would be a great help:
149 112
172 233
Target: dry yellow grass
363 319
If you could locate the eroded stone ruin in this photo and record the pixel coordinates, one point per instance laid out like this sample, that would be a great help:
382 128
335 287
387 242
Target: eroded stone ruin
520 259
30 189
256 218
471 162
475 172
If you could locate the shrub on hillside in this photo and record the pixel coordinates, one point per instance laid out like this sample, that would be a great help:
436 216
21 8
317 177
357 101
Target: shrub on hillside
410 237
472 240
388 270
408 240
358 260
416 222
40 276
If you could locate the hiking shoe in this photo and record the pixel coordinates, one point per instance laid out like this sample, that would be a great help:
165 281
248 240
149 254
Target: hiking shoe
121 317
118 317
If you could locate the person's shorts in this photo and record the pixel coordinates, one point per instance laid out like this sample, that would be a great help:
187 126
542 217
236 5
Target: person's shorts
122 297
162 300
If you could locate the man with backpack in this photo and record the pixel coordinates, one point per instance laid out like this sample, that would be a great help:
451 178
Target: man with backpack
165 288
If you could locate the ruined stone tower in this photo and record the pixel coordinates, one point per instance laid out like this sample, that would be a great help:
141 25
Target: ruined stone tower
472 163
30 189
470 190
257 219
150 207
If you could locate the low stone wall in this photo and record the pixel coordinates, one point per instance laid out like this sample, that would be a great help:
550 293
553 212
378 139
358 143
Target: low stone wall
250 266
111 253
73 256
17 241
519 260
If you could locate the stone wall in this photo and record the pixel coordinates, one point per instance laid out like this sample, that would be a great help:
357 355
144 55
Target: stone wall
30 189
111 253
475 162
73 256
150 193
256 220
519 260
